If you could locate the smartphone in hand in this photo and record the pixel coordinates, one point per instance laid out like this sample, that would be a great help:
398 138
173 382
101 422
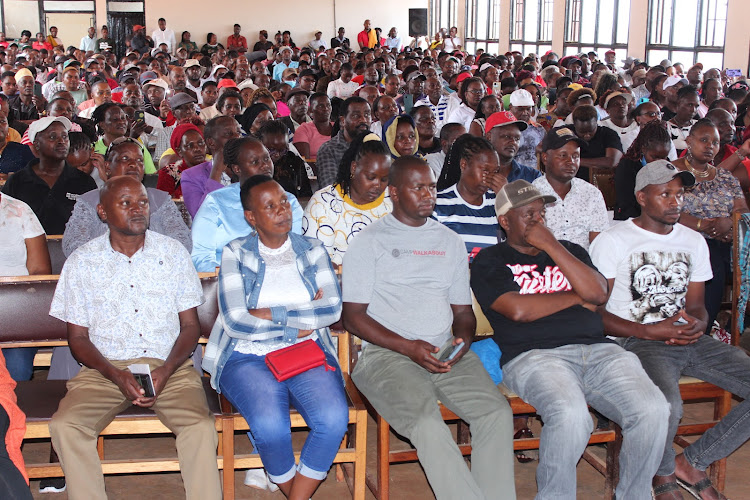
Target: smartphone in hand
142 374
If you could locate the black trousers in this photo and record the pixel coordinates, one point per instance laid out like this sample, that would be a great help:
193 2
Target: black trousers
12 484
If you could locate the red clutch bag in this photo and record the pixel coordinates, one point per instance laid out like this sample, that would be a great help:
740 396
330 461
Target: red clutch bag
293 360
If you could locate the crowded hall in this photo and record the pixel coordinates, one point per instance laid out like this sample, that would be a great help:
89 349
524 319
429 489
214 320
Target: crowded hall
435 249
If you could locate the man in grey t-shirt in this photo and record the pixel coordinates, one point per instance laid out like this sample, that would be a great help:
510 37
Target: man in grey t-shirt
405 287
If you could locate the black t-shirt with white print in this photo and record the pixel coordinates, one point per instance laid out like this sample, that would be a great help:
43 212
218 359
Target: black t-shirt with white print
500 269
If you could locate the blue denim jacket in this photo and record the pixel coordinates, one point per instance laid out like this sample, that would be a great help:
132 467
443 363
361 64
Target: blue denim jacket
240 281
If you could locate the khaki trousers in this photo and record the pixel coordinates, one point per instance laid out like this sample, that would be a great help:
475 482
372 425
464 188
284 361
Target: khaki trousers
93 401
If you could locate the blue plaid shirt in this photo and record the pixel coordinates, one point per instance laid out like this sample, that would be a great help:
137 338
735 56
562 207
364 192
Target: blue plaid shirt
240 281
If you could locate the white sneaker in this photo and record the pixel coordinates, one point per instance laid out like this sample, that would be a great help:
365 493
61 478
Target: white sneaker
257 478
52 485
270 484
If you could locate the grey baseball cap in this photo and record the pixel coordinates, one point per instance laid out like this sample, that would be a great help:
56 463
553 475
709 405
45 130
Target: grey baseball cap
517 194
661 172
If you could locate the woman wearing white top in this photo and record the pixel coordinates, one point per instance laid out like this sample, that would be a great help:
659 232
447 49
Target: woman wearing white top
616 104
23 246
452 42
470 93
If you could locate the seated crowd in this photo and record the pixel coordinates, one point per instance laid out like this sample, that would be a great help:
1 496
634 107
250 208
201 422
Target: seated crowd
385 187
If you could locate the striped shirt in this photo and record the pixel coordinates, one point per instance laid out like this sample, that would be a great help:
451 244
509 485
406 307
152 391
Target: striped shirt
477 225
439 110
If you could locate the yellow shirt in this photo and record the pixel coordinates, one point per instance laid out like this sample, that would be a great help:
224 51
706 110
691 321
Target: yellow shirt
13 135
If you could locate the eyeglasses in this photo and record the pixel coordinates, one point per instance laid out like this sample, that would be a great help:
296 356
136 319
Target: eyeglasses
652 114
118 141
475 92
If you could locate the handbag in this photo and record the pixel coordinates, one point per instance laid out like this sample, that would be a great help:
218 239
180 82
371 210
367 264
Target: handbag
295 359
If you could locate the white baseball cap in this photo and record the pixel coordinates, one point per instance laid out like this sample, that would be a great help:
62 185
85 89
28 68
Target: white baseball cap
43 124
521 97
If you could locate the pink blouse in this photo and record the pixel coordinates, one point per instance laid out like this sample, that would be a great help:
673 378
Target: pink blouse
308 132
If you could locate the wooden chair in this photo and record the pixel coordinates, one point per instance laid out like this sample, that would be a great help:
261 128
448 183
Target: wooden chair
353 449
56 255
604 179
39 399
379 485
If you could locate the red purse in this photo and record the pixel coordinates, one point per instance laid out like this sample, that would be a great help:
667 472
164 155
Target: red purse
295 359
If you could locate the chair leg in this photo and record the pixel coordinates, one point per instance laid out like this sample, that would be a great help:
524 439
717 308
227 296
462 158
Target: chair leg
227 438
360 456
100 447
613 464
384 459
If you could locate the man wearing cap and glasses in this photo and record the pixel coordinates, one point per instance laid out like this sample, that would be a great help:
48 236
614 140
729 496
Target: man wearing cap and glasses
671 86
539 295
656 269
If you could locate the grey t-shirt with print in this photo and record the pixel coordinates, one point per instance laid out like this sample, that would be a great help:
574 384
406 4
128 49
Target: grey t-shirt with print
409 277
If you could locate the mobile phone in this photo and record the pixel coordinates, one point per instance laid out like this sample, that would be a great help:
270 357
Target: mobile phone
449 351
37 90
496 88
140 115
569 73
734 73
142 374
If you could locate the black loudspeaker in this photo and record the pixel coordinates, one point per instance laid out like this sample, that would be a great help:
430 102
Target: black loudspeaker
417 22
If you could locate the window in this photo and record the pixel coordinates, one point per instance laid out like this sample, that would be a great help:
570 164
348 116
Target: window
531 26
597 25
482 25
443 15
688 32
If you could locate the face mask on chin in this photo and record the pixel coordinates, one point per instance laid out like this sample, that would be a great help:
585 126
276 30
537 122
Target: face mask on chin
292 83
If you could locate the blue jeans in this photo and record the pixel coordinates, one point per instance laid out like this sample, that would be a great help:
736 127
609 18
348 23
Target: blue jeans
20 362
709 360
560 383
318 395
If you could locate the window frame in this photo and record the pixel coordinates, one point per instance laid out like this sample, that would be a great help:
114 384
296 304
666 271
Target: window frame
573 17
539 45
701 26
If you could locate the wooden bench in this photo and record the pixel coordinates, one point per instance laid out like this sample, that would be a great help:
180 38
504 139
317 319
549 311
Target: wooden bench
39 399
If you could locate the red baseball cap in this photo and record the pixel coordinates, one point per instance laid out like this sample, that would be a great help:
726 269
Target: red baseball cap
502 118
226 82
610 52
463 76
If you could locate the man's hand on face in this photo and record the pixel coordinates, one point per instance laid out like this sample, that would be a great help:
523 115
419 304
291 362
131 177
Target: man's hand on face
539 236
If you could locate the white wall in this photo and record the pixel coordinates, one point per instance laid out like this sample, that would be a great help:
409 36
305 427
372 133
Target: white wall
301 17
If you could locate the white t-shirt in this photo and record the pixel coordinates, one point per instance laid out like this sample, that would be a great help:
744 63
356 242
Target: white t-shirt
17 224
627 134
651 271
451 43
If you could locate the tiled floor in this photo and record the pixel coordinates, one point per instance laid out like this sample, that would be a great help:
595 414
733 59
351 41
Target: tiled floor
407 480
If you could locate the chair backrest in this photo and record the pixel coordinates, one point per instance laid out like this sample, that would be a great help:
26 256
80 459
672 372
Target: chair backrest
209 310
27 299
56 255
484 329
24 315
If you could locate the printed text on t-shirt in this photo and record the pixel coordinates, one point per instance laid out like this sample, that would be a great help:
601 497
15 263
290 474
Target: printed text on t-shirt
532 281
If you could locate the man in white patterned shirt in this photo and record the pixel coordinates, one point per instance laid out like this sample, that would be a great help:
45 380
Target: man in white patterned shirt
131 296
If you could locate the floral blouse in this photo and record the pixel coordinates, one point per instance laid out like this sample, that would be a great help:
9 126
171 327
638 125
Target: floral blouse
713 198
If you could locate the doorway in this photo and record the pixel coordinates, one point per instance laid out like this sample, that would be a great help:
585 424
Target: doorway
120 26
71 26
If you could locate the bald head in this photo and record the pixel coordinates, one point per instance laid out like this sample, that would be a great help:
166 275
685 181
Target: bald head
402 167
123 206
718 114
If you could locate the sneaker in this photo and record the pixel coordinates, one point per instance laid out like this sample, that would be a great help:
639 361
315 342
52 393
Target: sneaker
270 484
256 478
52 485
